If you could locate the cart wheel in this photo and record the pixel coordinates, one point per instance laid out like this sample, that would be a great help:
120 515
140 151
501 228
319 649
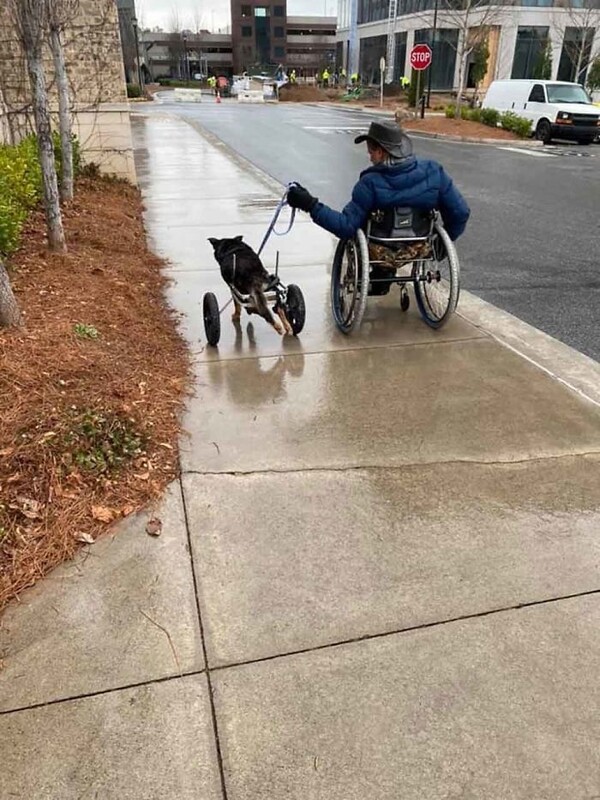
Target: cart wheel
295 308
404 300
212 320
350 282
436 281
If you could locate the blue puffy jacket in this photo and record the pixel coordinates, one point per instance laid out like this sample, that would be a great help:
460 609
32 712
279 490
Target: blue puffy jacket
415 183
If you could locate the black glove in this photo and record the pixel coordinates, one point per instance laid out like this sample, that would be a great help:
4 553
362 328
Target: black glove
299 197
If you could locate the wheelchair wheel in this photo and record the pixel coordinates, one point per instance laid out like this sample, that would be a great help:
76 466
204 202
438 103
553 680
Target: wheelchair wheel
436 282
212 320
350 282
295 308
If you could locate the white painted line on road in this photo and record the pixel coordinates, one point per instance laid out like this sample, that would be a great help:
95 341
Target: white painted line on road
534 153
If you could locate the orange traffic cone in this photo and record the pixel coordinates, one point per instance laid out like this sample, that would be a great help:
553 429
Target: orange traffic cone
218 97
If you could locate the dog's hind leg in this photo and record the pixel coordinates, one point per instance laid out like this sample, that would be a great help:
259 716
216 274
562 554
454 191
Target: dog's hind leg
263 310
237 310
286 323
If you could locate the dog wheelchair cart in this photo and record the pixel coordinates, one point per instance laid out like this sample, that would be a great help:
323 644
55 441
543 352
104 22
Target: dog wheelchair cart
382 255
288 298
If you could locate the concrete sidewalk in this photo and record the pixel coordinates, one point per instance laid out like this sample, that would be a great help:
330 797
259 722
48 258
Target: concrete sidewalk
378 576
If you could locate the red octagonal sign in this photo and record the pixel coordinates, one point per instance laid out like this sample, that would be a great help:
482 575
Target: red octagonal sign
420 56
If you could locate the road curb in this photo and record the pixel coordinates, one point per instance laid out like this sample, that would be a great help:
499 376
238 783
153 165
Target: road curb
448 137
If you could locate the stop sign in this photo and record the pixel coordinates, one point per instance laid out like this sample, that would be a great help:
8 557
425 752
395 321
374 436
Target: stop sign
420 56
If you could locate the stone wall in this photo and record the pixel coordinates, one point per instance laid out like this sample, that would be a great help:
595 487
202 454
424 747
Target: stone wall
96 77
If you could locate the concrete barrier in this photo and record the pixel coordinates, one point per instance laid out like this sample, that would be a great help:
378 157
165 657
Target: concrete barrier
249 96
187 95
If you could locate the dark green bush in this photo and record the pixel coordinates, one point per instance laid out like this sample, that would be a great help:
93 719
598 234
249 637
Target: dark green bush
134 90
164 81
21 186
516 124
489 116
475 115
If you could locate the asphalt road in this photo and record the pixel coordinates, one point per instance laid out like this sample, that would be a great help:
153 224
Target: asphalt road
533 242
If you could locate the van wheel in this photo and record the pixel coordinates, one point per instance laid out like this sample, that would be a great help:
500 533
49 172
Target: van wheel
543 132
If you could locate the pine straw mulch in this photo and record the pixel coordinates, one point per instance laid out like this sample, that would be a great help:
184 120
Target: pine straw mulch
90 388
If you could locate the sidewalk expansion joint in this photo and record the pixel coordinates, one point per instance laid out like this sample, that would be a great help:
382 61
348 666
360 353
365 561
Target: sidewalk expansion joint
413 465
408 629
213 712
482 336
100 692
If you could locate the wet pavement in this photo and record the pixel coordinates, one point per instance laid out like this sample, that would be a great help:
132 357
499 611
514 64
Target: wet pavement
379 573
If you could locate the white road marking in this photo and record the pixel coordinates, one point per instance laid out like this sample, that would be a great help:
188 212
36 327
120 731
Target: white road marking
534 153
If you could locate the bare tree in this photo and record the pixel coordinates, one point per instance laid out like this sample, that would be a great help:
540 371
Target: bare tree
583 18
198 17
30 20
473 19
9 310
59 14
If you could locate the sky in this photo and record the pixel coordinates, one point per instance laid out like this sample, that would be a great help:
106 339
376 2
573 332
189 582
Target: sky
213 14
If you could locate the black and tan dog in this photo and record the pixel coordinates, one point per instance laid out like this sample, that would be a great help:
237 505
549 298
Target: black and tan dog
242 268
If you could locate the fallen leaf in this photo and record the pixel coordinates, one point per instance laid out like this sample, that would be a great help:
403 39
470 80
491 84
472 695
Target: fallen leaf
127 510
103 514
28 507
7 451
142 476
86 538
154 527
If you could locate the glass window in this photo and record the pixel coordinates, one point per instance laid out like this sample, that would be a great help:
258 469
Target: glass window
261 11
537 94
246 11
444 56
576 50
246 30
563 93
279 52
371 50
278 11
529 52
400 56
278 32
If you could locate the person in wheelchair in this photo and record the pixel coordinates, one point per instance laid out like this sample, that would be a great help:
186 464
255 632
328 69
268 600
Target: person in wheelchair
394 198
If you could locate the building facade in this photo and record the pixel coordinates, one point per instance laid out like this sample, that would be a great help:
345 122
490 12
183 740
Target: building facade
261 39
96 78
554 39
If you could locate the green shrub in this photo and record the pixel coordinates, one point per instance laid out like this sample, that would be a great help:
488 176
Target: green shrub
21 186
475 115
450 112
134 90
512 122
164 81
465 112
489 116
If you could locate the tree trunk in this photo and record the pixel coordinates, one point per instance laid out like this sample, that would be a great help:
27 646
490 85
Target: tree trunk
66 142
9 310
41 113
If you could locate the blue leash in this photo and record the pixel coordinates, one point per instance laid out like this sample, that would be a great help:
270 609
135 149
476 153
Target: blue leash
271 229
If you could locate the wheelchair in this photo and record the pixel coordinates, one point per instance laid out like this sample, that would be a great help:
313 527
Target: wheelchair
400 246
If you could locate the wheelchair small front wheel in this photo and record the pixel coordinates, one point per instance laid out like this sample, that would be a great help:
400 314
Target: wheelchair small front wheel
350 282
212 319
436 281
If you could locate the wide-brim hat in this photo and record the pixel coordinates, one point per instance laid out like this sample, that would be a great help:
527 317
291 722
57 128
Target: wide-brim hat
390 136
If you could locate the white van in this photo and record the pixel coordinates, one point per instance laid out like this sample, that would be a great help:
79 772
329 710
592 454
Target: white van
556 109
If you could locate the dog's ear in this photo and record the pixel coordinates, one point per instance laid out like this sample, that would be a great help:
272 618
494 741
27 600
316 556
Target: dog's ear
237 238
214 242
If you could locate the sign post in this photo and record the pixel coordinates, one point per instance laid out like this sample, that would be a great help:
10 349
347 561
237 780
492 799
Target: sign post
382 73
420 58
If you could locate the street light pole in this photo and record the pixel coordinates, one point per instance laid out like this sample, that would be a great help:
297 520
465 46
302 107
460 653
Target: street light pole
134 24
186 66
433 42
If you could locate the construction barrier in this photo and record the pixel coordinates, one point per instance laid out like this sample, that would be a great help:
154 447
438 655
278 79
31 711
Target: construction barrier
187 95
